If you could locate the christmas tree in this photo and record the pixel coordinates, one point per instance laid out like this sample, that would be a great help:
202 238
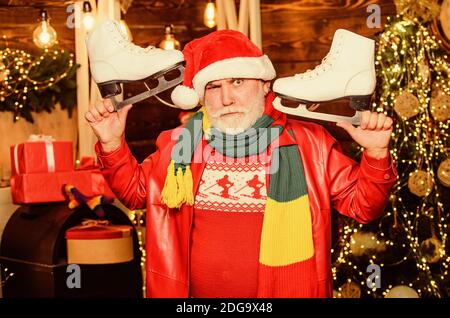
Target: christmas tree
409 245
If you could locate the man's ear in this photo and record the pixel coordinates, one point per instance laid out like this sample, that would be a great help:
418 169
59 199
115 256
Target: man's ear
266 87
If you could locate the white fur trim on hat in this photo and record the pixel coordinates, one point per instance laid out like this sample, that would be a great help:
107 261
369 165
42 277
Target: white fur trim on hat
184 97
237 67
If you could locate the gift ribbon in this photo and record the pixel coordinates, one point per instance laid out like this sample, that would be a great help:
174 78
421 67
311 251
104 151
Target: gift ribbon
119 230
49 151
91 222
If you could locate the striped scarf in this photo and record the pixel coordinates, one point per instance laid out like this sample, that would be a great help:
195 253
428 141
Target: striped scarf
287 267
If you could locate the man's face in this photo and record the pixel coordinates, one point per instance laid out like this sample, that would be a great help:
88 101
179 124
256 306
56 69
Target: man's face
234 104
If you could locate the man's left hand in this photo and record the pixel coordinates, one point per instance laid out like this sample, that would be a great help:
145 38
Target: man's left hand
373 134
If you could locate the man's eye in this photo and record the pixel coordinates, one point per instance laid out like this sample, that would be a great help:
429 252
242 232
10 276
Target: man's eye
238 81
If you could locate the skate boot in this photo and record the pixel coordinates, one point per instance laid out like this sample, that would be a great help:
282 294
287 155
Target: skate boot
348 71
115 60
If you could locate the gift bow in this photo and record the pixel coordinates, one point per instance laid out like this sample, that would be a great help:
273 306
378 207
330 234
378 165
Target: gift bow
34 137
91 222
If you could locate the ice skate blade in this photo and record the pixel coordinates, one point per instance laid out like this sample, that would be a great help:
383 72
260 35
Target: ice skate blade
302 111
163 84
357 102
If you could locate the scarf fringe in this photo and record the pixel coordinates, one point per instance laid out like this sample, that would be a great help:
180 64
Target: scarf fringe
178 188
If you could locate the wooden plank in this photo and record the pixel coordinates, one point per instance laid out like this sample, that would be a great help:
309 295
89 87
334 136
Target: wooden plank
308 40
307 9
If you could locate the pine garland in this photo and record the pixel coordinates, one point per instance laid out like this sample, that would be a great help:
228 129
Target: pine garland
36 83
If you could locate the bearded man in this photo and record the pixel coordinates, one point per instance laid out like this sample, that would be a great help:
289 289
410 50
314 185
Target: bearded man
239 198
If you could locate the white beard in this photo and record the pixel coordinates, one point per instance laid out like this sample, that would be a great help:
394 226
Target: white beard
236 124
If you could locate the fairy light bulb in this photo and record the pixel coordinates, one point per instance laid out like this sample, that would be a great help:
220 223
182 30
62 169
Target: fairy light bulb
209 17
44 36
169 42
88 18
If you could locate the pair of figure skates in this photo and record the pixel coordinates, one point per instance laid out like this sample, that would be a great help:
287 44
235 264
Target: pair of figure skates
348 71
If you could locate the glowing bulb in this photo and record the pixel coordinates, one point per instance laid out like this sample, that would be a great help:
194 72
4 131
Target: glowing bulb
169 42
44 36
209 17
88 19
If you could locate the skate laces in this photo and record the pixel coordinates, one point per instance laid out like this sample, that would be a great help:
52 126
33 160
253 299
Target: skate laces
326 64
322 67
126 44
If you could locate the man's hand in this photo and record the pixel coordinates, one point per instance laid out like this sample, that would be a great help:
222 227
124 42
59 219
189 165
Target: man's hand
107 124
373 134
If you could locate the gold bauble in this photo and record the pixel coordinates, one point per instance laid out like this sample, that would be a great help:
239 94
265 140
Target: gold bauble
444 172
424 71
2 72
402 291
406 105
440 106
431 250
350 290
420 183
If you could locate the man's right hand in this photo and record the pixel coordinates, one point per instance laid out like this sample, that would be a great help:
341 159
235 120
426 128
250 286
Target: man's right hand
107 124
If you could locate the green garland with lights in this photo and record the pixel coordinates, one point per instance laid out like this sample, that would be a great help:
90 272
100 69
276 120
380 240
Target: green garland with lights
36 83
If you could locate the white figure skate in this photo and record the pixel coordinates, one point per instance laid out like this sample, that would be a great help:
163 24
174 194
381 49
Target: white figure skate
115 60
348 71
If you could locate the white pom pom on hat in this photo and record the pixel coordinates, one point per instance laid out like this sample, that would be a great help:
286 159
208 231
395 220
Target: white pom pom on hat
219 55
184 97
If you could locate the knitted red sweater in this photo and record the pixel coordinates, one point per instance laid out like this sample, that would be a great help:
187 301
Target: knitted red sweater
228 215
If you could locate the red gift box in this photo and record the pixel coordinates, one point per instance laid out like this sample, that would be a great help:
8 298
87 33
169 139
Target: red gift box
41 156
97 242
48 187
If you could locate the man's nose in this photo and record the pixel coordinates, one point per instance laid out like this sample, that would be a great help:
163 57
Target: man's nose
227 95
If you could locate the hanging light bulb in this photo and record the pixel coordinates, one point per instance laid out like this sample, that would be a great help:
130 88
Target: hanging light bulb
88 18
125 30
44 36
169 42
209 17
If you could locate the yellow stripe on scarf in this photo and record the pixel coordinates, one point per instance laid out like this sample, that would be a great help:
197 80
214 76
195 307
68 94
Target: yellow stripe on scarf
286 236
178 187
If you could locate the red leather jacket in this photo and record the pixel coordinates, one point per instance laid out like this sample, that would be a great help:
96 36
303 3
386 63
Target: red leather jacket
359 191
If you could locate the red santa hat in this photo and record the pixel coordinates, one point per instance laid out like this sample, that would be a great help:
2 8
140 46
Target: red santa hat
218 55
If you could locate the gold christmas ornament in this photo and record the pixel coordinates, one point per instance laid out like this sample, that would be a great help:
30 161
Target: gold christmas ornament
402 291
3 73
444 172
366 243
431 250
350 290
440 106
406 105
420 183
424 71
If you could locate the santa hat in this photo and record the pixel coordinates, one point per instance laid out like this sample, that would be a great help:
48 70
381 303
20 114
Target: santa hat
218 55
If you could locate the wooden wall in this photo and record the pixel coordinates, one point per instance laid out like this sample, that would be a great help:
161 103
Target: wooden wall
296 36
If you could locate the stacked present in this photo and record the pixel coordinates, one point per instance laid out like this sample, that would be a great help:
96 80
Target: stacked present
42 166
99 242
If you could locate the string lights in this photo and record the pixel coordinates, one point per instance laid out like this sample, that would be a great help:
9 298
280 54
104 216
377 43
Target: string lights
413 88
138 219
35 83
